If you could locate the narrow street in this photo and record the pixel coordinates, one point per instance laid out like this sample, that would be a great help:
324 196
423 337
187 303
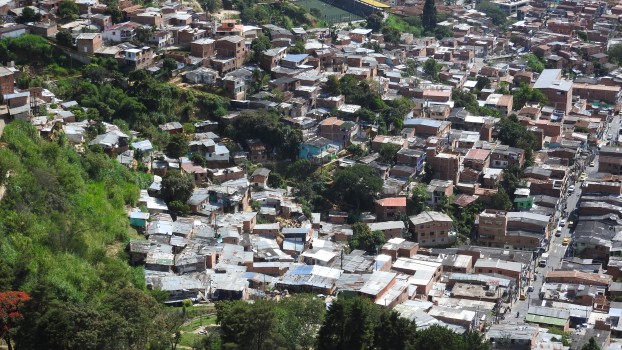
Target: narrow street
557 251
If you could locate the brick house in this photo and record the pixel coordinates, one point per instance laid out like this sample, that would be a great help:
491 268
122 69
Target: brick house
388 208
431 228
89 43
558 91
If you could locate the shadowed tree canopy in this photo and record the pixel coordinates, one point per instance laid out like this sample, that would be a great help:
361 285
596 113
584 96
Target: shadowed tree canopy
356 187
365 239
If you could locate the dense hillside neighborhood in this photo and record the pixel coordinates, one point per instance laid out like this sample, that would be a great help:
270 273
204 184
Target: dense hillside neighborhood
267 175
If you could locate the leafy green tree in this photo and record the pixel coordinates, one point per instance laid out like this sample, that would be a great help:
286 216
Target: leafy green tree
198 159
497 15
534 63
615 54
178 208
465 99
511 132
394 332
438 338
591 345
441 32
431 68
212 6
356 187
501 200
95 73
358 324
300 169
299 47
248 327
428 18
176 187
68 9
143 34
64 38
365 239
512 178
349 324
375 21
527 94
177 146
388 153
600 70
258 46
332 85
356 150
419 200
482 83
28 15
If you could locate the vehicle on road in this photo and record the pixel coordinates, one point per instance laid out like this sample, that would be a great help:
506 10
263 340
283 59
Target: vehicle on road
570 224
571 189
609 136
558 231
529 289
583 177
543 260
562 222
592 162
566 241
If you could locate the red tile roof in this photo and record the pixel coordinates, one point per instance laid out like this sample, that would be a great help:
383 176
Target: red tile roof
392 202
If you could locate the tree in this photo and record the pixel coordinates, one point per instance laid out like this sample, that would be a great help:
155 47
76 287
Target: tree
258 46
356 187
375 21
332 85
428 18
364 238
11 305
213 6
534 63
143 34
176 187
431 68
482 83
527 94
299 47
64 38
615 54
177 146
501 200
358 324
68 9
388 152
497 15
591 345
28 15
419 200
441 32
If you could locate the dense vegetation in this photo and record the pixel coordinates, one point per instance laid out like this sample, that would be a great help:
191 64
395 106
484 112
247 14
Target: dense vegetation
62 232
349 323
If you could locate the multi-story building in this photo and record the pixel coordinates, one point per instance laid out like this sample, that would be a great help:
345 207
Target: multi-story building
558 91
504 156
432 228
610 160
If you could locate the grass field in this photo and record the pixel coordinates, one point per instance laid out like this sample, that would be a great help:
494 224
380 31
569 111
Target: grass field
330 13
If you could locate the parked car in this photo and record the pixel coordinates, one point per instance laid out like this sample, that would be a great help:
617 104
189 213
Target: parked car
558 231
592 162
562 222
571 189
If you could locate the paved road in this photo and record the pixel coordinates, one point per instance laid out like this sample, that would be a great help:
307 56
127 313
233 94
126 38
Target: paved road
556 250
